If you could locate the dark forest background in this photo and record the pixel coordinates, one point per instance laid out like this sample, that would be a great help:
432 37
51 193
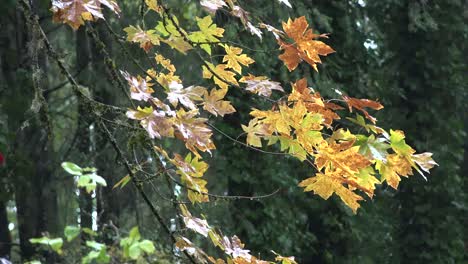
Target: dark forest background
411 55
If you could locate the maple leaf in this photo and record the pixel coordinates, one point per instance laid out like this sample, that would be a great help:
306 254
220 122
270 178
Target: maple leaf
313 102
372 147
360 104
425 161
243 15
157 123
209 32
304 47
146 38
212 5
177 93
273 120
213 103
75 12
367 180
325 185
359 120
260 85
139 89
166 63
398 143
235 248
193 131
153 5
173 32
191 171
396 166
341 156
295 148
227 77
234 58
178 43
254 30
254 132
196 224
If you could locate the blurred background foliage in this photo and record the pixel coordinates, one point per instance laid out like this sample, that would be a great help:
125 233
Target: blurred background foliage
410 55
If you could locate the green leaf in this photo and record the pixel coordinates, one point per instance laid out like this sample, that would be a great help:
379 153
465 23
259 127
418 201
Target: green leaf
135 234
98 179
134 251
90 257
40 240
366 179
89 231
147 246
95 245
84 180
295 148
72 168
398 144
71 232
373 148
103 257
56 244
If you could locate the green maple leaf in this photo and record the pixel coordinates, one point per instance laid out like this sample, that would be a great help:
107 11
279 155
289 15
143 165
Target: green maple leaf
208 32
372 147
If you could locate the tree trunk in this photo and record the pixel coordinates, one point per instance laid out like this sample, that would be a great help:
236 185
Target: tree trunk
5 236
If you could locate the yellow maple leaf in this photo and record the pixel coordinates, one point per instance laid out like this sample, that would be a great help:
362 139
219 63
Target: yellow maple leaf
214 103
347 159
178 43
396 166
191 170
254 132
153 5
325 185
234 58
221 77
304 47
273 120
166 63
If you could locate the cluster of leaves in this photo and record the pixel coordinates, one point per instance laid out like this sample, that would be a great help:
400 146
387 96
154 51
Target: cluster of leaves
232 247
345 163
131 247
85 177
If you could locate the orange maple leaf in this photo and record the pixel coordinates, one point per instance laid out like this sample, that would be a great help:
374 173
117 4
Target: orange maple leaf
305 46
313 101
360 104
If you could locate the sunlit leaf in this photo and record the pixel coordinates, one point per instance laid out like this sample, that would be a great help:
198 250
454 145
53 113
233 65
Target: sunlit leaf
304 46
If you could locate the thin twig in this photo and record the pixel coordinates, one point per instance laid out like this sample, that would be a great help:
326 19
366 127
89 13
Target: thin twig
225 197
